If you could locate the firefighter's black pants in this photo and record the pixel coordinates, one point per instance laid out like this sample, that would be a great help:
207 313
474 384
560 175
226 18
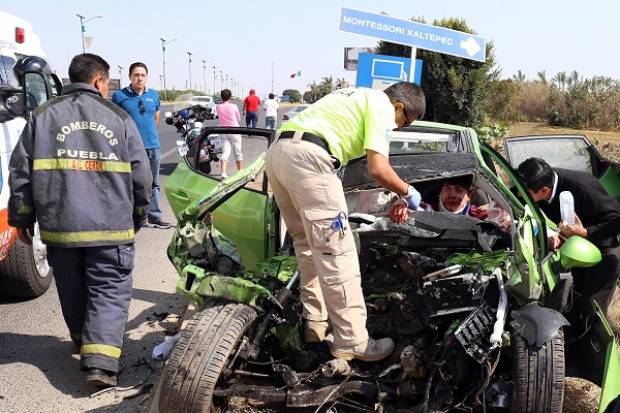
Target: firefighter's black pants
94 287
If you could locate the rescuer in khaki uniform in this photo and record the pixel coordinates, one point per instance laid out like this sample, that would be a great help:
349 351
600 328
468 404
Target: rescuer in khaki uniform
80 170
301 166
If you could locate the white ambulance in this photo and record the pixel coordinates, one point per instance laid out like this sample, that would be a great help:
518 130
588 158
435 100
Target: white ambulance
24 270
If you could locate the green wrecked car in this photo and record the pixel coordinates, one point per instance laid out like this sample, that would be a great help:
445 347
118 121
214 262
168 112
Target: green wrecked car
477 310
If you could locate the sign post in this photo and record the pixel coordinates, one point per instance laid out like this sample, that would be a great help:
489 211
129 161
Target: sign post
380 71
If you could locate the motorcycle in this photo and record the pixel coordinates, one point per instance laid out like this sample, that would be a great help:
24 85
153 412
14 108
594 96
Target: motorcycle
188 121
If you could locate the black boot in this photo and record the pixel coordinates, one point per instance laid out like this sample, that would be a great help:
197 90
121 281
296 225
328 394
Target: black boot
101 378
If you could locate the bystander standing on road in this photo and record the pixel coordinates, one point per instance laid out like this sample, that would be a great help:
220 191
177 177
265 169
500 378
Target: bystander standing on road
81 172
251 104
142 104
271 112
228 113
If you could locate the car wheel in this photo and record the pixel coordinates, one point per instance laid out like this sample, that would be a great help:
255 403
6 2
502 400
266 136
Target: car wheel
538 376
200 356
25 272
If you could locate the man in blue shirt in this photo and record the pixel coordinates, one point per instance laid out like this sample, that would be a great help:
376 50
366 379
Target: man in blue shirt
142 104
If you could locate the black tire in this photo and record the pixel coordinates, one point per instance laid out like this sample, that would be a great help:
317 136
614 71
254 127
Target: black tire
538 376
200 355
19 275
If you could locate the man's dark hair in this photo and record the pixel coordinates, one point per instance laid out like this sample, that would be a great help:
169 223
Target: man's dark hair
138 64
410 95
271 96
536 173
225 94
465 181
85 67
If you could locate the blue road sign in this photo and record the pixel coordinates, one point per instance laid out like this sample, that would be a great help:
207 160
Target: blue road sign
379 71
424 36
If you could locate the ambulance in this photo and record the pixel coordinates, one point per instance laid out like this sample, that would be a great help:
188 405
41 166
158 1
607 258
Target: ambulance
24 270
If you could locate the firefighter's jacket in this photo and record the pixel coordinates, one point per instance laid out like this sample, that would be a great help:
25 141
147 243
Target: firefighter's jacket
80 169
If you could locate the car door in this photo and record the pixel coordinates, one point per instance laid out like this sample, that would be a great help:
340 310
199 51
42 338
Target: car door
566 151
245 217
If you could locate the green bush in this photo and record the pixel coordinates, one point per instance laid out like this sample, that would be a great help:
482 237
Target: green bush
490 133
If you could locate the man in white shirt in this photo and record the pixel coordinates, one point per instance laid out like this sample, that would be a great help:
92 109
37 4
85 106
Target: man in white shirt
271 112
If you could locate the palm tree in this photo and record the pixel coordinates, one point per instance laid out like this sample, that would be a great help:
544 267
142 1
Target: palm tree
341 83
560 80
542 77
573 80
519 77
327 84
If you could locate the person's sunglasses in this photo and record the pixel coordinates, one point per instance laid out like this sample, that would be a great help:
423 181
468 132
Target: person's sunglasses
142 109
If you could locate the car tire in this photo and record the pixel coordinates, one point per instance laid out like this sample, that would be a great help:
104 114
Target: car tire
25 272
538 376
200 355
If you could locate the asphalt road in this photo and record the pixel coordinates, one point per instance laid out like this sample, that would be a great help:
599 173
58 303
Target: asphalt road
39 373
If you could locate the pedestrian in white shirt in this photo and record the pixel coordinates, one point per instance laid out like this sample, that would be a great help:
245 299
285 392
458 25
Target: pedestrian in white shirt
271 112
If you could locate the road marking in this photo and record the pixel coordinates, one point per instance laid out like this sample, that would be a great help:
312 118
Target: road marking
169 152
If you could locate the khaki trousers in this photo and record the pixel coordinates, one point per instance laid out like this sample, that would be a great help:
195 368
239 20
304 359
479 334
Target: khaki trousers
310 197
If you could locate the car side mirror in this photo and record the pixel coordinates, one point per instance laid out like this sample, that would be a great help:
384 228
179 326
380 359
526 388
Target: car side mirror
11 103
578 252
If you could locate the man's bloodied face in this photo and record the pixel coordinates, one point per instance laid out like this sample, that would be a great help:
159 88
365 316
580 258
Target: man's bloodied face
454 196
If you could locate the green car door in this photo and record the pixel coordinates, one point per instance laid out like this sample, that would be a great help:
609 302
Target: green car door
245 218
569 152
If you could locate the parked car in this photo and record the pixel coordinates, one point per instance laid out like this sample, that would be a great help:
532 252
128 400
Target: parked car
206 102
477 310
294 112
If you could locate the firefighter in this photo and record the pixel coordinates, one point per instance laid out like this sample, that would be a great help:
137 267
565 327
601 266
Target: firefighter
80 170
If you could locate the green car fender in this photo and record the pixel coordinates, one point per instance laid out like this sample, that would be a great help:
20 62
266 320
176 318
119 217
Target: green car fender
208 284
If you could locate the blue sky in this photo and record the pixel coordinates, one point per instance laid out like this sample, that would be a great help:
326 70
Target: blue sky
244 37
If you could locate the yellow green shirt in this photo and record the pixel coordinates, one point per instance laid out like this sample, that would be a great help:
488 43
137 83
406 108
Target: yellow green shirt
351 121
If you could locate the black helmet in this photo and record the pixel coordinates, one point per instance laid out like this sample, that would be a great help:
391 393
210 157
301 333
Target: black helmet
31 64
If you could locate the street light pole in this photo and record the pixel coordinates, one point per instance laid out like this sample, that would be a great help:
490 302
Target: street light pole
204 75
221 80
189 58
120 76
163 63
214 86
83 28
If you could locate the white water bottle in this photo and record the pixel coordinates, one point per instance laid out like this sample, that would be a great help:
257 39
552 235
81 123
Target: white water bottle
567 207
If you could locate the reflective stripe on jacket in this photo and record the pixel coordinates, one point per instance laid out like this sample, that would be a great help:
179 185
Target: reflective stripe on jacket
81 171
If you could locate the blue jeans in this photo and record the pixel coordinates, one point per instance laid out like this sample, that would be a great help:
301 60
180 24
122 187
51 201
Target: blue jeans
270 122
154 156
251 119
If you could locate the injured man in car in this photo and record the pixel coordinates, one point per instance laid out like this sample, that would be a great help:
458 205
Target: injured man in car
455 195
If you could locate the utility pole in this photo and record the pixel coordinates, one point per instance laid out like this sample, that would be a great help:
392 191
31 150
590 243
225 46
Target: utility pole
120 76
204 75
163 65
83 27
189 65
214 86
